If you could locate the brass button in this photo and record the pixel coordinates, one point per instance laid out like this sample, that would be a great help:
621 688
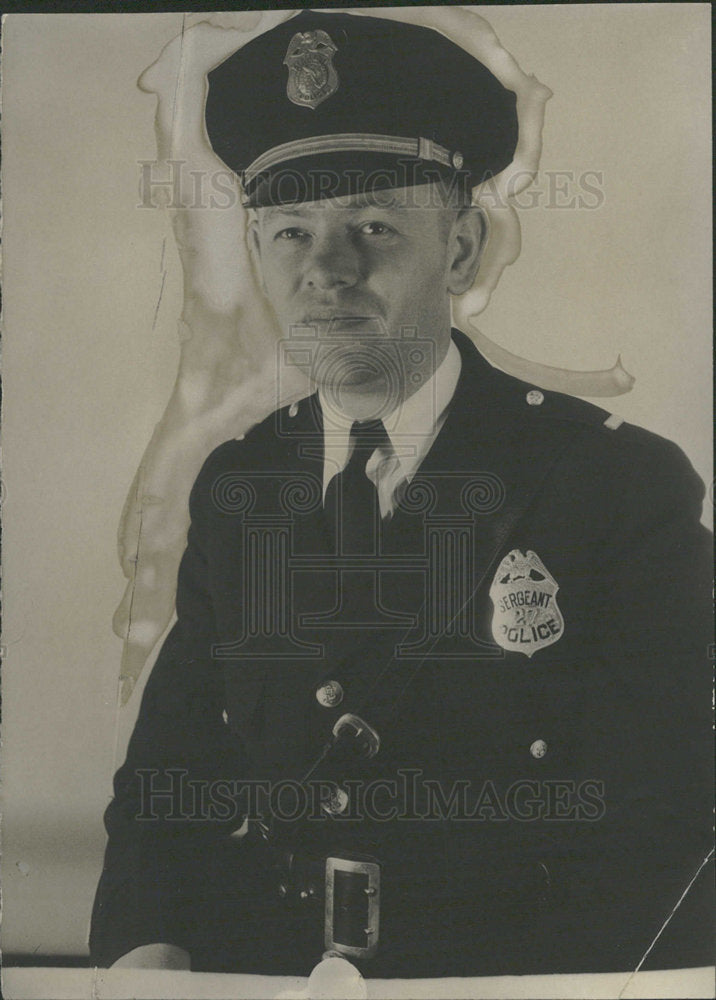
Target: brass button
336 802
534 397
329 694
538 749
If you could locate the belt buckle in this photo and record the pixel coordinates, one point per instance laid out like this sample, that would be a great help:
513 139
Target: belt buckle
352 914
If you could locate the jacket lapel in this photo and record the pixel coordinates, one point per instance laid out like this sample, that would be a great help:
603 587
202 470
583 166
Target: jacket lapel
491 456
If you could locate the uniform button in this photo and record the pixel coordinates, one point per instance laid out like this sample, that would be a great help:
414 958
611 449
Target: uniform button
337 802
329 694
457 160
534 397
538 748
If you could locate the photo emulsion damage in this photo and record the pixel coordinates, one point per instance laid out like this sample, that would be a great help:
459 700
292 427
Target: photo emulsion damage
417 635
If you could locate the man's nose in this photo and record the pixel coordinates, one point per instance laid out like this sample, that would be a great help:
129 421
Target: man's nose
334 263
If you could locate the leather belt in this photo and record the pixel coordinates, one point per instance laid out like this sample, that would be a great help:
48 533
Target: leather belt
344 889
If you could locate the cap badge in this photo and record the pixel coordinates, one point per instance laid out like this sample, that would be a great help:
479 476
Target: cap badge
523 594
311 74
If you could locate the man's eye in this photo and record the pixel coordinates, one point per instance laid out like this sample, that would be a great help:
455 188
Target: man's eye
292 233
376 229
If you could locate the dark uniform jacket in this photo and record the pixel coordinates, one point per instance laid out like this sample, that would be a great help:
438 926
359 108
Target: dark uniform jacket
552 804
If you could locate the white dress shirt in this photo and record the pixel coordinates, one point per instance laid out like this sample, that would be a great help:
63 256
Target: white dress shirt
412 428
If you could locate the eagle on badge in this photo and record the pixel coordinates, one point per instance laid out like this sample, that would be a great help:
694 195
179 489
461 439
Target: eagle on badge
311 74
526 616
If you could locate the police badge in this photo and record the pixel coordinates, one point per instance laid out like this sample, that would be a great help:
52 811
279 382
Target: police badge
523 594
311 74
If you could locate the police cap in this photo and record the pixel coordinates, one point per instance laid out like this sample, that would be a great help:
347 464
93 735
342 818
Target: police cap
329 104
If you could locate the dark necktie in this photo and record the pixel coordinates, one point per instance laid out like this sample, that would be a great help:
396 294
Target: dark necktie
351 498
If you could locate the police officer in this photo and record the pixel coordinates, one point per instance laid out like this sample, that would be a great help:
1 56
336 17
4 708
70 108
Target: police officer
452 629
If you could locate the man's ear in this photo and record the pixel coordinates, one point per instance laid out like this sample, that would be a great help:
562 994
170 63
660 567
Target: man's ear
468 239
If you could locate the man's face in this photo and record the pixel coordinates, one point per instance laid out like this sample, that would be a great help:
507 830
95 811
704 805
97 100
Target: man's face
355 274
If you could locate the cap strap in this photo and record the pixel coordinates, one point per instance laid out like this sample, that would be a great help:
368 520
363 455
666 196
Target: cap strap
348 142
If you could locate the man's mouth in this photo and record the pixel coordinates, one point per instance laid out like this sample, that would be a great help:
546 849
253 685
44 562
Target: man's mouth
338 318
345 323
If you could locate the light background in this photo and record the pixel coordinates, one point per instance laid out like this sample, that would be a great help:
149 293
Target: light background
89 359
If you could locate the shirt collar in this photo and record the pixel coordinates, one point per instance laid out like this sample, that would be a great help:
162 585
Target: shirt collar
413 426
